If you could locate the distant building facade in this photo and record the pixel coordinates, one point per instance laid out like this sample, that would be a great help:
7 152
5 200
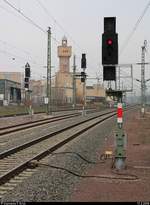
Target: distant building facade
12 76
64 80
12 84
95 94
64 54
38 88
10 92
11 87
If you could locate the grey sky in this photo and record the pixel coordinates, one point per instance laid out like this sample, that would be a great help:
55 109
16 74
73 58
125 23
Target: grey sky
82 20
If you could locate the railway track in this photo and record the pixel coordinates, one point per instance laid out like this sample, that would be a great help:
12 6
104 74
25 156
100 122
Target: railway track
56 110
31 124
15 162
36 123
17 159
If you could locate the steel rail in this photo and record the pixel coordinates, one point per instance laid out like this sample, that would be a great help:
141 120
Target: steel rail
9 174
27 125
41 112
37 140
21 167
35 121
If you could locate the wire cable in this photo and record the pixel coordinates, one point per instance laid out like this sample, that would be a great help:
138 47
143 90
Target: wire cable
18 57
10 12
134 28
17 48
103 158
61 27
29 19
55 21
78 155
36 25
26 17
127 177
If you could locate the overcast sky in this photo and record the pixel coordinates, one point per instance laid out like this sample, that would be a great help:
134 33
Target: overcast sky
81 21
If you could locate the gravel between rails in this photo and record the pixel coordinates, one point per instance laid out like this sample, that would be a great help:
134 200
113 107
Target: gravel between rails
48 184
8 121
10 140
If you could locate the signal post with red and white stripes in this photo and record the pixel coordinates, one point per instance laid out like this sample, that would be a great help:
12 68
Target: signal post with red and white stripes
120 155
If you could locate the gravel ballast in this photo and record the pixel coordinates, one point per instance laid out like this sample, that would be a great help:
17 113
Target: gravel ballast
48 184
15 139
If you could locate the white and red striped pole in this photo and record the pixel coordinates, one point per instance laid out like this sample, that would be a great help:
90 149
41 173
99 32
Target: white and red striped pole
119 114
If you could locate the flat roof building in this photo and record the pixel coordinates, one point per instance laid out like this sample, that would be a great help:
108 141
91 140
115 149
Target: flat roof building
10 92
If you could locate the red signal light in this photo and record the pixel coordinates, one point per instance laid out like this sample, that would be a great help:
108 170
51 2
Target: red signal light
109 41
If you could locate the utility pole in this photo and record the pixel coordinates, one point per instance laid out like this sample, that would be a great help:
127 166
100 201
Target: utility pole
143 97
49 104
74 82
119 76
